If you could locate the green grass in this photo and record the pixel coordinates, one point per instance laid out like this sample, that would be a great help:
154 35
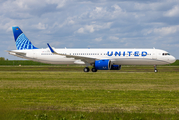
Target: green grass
29 62
41 95
80 68
20 62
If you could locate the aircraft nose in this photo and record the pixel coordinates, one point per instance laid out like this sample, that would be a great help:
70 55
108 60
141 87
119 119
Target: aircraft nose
172 59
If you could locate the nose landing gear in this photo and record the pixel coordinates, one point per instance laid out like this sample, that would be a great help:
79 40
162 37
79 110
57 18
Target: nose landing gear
155 69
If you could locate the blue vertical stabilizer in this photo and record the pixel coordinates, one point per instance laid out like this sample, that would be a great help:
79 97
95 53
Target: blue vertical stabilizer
22 42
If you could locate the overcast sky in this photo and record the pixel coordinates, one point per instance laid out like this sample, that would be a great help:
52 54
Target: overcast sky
91 24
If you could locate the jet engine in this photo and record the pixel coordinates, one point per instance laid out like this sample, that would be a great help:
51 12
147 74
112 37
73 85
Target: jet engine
102 64
115 67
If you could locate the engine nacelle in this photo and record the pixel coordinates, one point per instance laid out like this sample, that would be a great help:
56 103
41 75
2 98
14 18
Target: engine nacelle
103 64
115 67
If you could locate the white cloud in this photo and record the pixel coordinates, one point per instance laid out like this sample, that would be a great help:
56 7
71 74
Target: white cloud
24 9
81 30
166 30
103 26
111 12
87 28
41 26
98 39
113 38
117 8
104 21
60 3
21 4
71 22
148 6
98 12
163 30
94 27
67 22
173 12
98 9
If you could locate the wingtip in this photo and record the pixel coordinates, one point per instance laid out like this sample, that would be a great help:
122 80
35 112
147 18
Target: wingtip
48 44
50 48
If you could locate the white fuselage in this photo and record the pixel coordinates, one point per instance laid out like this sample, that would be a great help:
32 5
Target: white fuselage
117 56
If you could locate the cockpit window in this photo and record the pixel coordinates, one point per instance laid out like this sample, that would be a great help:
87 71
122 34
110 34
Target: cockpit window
165 54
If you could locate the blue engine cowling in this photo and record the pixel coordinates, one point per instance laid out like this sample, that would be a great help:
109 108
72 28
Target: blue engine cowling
103 64
115 67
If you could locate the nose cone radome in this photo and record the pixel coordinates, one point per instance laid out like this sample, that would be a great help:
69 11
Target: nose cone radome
172 59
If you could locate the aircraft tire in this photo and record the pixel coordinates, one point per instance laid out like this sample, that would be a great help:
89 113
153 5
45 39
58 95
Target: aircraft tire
94 70
86 69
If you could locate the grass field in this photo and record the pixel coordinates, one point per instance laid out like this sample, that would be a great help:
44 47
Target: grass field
65 93
30 63
80 68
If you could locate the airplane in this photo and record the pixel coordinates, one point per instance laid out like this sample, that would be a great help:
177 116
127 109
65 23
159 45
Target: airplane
100 59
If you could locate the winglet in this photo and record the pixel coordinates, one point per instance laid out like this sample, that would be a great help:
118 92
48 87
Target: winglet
51 49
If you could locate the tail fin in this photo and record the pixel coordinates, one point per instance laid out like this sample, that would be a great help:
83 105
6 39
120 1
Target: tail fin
22 42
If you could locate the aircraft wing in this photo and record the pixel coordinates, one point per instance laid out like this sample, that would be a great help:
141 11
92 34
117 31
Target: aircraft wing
82 58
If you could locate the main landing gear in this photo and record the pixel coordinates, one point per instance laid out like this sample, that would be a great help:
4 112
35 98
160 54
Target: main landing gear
86 69
94 70
155 69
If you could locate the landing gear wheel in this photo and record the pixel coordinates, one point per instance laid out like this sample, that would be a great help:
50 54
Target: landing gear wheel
94 70
155 69
86 69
